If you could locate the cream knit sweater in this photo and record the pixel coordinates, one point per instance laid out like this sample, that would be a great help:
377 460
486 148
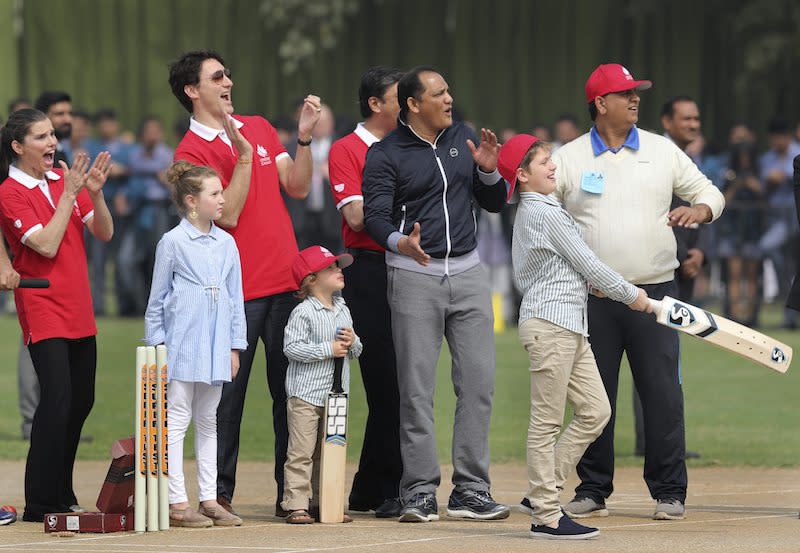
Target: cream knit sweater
625 224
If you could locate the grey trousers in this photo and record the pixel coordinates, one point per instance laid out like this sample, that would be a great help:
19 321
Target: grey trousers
425 309
28 386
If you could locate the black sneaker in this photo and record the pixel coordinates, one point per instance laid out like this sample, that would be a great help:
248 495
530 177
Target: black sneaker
567 529
391 508
475 505
422 507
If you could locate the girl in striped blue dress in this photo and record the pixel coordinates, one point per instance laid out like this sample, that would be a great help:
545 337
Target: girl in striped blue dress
196 308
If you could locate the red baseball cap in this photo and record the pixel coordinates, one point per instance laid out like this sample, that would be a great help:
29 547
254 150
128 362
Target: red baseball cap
611 77
316 258
510 156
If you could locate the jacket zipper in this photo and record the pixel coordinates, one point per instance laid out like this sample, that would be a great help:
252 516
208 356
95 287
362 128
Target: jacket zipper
403 220
446 214
444 199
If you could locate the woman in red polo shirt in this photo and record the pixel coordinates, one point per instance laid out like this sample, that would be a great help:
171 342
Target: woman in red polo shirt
42 215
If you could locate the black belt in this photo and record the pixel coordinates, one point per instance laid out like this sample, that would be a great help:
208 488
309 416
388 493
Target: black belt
363 252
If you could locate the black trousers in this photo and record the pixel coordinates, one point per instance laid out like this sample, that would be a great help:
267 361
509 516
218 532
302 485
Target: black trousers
266 320
66 372
654 356
380 466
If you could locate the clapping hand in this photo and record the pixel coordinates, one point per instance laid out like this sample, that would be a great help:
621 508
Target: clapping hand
97 175
237 139
75 176
485 155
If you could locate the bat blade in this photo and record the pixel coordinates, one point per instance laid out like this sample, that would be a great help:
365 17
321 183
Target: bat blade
333 450
333 458
723 333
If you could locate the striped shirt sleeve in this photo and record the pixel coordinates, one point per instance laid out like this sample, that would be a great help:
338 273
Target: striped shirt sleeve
567 241
296 343
234 283
154 329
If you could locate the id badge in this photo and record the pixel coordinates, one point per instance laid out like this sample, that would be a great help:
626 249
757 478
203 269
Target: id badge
593 183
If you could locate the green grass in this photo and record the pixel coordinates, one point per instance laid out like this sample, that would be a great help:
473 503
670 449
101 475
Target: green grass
737 413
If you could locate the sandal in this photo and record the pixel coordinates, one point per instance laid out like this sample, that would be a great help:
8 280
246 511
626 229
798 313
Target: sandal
188 518
300 516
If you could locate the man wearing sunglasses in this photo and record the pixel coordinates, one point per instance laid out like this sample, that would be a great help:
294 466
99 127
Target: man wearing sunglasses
253 165
617 182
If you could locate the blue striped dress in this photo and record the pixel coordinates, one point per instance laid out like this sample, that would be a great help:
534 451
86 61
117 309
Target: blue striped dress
196 304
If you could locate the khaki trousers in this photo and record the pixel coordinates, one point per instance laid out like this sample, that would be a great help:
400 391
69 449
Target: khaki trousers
562 369
301 471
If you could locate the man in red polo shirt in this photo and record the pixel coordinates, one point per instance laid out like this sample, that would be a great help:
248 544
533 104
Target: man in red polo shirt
253 166
376 484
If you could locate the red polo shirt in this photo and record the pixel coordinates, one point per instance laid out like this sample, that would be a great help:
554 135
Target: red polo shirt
65 309
264 233
345 167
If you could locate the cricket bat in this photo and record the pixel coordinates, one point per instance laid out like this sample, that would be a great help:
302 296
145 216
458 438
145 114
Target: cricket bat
333 453
723 333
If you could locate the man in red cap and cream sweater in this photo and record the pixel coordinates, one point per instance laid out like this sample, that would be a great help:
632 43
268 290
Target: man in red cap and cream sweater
617 182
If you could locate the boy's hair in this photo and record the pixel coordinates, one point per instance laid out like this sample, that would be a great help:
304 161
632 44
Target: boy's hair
305 286
186 71
531 153
187 179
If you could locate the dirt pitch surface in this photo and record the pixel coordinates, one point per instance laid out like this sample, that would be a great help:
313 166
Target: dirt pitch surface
728 509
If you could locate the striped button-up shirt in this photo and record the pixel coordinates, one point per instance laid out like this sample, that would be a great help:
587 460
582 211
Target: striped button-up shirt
552 266
196 305
308 345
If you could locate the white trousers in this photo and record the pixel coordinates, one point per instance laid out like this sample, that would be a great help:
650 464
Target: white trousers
193 401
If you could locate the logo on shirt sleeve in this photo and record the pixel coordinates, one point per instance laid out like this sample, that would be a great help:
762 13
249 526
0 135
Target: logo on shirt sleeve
263 155
339 187
18 223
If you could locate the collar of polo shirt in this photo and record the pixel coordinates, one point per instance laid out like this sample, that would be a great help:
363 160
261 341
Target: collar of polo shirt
28 181
207 133
367 137
598 146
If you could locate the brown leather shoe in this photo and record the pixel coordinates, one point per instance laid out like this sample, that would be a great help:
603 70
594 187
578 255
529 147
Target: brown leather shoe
220 516
188 518
225 503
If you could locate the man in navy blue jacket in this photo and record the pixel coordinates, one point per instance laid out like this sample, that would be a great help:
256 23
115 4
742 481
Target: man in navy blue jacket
420 187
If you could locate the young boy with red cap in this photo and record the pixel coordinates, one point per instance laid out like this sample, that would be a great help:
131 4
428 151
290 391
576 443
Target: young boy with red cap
319 330
554 268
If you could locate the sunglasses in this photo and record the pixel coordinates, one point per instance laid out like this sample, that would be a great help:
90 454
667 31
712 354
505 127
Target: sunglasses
217 76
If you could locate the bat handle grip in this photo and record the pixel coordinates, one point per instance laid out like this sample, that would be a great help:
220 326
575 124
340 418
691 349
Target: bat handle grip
656 305
338 364
34 283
